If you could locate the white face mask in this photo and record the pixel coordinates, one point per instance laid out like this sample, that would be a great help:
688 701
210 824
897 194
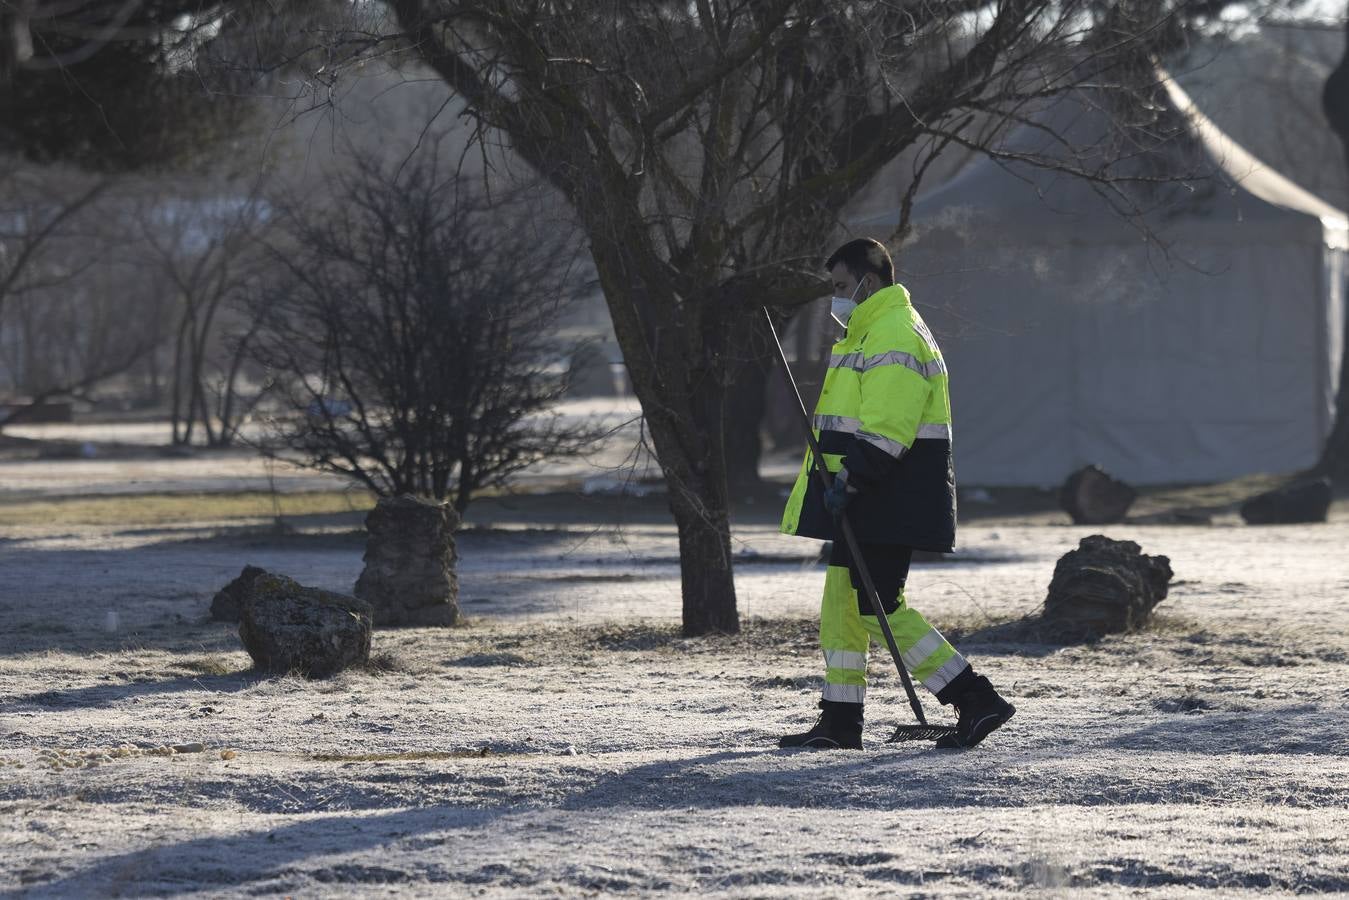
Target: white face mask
841 308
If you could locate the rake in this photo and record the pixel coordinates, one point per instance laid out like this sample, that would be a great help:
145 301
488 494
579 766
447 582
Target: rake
922 731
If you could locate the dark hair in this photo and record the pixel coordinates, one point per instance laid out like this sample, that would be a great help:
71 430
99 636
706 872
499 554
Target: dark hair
862 256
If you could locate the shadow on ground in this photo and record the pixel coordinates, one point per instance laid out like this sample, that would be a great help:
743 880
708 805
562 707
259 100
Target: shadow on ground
439 798
103 696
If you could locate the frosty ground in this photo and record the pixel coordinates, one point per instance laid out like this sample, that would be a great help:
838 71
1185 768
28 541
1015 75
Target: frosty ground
568 741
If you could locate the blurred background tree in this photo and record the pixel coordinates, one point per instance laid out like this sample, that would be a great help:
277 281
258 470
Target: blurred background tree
412 341
121 85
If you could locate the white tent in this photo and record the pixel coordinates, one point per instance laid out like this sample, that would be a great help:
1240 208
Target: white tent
1071 339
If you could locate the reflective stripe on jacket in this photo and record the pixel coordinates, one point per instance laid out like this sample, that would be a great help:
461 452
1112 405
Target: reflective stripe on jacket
884 413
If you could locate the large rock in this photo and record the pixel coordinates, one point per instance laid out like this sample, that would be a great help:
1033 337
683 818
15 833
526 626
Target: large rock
287 627
228 603
1092 497
409 576
1102 587
1304 501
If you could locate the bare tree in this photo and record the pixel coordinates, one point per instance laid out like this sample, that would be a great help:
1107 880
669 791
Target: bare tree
708 148
204 237
36 211
411 339
64 327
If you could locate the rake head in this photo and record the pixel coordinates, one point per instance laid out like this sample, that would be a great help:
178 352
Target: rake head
921 733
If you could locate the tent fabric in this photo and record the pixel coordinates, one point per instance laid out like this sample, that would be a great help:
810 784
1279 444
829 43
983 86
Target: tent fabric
1072 340
1254 176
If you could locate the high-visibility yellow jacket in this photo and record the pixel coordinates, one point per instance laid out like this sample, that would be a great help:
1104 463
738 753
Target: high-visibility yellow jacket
884 413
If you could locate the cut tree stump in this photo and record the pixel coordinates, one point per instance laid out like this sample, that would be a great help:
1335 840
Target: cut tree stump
409 576
1103 587
1301 502
1093 497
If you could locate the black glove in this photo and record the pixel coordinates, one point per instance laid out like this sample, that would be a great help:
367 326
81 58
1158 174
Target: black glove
838 495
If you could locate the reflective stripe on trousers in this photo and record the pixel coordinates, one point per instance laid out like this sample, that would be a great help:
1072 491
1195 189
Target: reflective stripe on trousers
846 635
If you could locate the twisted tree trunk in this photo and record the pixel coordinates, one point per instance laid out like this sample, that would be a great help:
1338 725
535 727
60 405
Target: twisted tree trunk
680 379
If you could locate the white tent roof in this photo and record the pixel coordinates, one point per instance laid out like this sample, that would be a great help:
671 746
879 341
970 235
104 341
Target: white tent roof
1229 187
1250 173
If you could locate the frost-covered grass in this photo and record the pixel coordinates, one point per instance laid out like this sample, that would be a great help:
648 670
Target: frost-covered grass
568 740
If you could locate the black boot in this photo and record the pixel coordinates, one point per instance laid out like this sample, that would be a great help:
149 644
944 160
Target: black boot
982 711
838 728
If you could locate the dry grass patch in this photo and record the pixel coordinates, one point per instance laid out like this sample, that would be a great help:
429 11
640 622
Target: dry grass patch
392 662
160 509
207 665
1218 497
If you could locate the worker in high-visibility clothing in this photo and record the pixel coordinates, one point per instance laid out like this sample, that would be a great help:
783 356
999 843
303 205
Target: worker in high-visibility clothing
883 423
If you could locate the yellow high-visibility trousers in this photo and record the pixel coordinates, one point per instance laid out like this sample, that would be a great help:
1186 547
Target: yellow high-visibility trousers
846 635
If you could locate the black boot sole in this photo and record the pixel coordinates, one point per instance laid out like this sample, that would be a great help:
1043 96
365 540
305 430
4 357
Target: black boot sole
821 743
982 729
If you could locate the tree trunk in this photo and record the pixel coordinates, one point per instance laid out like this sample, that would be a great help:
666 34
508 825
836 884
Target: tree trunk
156 387
199 351
700 505
198 399
199 391
1335 102
229 427
705 560
747 402
682 389
180 435
742 418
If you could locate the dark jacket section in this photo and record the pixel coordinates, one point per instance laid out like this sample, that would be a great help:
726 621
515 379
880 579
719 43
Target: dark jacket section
914 504
867 464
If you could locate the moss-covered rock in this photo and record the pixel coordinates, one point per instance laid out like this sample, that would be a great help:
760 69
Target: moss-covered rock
289 628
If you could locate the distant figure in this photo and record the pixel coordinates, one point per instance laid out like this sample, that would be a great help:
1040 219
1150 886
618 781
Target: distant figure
884 426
